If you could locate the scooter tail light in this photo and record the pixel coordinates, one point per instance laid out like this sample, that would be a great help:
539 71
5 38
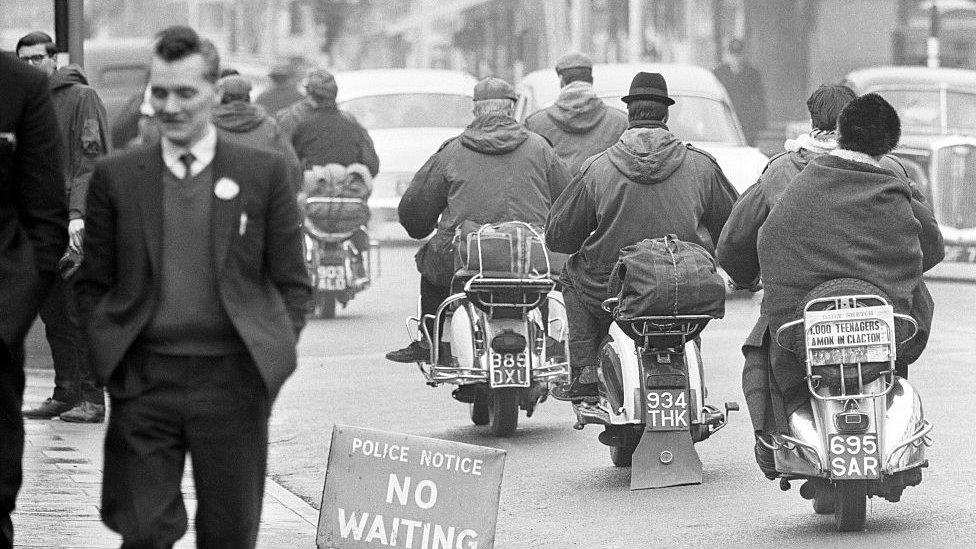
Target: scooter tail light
851 422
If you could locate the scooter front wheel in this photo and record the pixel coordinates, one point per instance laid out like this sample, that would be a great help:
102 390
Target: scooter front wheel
850 505
504 410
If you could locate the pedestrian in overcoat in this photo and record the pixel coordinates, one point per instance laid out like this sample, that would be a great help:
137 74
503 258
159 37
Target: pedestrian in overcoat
193 290
33 235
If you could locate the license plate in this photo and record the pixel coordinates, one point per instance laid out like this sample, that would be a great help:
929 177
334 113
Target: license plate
332 277
666 410
854 456
509 369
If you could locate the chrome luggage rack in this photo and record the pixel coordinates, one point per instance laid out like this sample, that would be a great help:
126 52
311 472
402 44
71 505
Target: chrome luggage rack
650 331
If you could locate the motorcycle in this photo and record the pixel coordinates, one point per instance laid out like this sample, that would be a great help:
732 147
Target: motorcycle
507 336
652 398
339 269
862 433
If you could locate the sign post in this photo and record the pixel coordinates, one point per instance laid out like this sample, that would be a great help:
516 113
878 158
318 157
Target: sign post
395 490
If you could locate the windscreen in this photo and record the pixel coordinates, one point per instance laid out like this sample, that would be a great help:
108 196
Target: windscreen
694 118
410 110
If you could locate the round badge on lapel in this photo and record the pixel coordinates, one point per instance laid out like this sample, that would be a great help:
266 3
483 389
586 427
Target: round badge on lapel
226 189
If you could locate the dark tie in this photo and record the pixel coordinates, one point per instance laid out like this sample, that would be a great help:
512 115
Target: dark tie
187 159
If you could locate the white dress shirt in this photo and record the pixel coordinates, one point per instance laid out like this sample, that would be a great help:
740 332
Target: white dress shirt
203 153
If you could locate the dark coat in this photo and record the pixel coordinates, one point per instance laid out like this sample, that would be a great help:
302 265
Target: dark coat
329 136
249 125
738 255
33 209
494 171
261 277
648 185
579 124
839 219
84 132
748 97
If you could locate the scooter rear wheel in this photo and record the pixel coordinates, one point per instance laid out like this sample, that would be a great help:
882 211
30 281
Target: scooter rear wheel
622 456
504 410
824 504
325 305
479 409
850 505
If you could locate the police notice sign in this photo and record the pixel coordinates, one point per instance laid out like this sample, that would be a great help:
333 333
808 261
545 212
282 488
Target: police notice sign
394 490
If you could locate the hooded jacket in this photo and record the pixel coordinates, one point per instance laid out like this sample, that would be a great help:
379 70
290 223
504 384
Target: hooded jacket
84 132
579 124
648 185
738 255
249 125
494 171
840 218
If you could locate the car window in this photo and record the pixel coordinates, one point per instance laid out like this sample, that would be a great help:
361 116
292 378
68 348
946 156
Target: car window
129 78
411 110
920 111
696 119
961 110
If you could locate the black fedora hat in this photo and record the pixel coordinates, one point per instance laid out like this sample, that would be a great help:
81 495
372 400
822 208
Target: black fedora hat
648 85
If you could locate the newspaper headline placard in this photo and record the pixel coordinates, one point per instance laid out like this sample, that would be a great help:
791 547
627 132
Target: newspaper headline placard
395 490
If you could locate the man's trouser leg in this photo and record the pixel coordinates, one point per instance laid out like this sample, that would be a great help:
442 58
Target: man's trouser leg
163 406
431 297
11 437
64 336
755 387
87 387
588 326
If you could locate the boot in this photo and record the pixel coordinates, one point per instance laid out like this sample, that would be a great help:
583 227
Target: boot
48 409
576 391
85 412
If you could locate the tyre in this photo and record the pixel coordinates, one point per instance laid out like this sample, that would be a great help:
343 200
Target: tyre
504 410
823 503
622 456
325 305
480 409
850 505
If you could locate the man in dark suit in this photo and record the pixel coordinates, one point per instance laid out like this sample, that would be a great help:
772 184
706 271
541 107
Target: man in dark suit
193 290
33 234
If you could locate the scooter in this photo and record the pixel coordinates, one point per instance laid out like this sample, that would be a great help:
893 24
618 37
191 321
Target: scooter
652 398
863 433
338 268
505 344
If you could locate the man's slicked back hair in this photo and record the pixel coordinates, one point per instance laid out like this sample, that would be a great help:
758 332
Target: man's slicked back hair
38 38
646 109
178 42
826 103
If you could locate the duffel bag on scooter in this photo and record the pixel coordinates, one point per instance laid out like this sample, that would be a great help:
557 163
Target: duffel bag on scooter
511 248
667 276
345 191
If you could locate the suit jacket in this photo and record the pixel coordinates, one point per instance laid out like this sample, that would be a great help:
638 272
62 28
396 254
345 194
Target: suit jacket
33 210
261 277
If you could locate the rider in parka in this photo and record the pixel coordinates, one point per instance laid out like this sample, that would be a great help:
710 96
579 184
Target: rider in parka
494 171
579 124
738 255
648 185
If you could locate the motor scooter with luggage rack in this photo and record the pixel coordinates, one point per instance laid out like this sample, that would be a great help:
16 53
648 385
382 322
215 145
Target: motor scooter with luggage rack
507 336
862 433
652 398
338 268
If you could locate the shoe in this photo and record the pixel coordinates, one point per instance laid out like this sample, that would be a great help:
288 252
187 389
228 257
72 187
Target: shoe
465 393
576 391
86 412
415 352
765 459
48 409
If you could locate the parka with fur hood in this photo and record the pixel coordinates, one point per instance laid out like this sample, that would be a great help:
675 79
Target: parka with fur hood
579 124
84 132
648 185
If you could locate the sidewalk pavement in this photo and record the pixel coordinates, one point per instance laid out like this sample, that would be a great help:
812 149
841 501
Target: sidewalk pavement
58 505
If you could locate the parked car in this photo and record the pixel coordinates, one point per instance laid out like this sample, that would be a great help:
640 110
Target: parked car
118 70
702 113
408 113
937 107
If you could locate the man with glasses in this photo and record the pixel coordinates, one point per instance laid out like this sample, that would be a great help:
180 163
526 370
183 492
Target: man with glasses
81 116
193 292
